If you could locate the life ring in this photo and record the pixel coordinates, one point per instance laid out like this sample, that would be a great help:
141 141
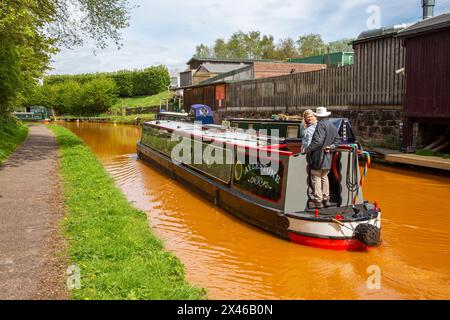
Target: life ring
334 166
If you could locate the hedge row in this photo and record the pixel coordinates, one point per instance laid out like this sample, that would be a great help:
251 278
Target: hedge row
72 98
148 81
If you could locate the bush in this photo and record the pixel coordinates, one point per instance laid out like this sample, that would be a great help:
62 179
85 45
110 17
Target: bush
99 95
124 82
148 81
12 132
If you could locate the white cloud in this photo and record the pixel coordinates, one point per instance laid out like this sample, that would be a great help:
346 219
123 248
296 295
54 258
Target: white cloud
167 32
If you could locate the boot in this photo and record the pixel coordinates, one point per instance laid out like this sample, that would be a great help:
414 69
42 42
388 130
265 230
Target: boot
315 204
327 204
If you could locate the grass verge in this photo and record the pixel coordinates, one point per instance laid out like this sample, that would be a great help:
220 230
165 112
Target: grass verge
144 101
130 119
12 133
109 240
425 152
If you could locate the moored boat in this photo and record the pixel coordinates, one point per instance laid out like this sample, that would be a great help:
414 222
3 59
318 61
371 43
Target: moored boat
265 181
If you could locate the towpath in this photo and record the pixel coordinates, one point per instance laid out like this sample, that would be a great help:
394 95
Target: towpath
31 260
414 159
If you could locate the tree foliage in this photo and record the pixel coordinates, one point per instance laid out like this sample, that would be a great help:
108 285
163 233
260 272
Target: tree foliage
148 81
254 45
74 98
343 45
311 45
31 31
98 95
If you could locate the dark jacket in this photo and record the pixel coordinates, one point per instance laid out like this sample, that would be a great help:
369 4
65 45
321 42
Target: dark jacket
326 135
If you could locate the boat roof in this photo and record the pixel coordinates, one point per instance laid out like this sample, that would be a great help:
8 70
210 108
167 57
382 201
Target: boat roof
169 113
220 133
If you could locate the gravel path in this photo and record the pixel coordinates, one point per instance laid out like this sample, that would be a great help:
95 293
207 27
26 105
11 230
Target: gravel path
32 260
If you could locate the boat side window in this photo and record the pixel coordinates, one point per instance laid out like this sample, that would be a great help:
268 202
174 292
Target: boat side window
292 131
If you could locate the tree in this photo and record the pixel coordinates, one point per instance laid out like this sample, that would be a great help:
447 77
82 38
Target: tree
220 49
203 51
71 21
268 48
343 45
99 95
236 46
286 49
310 45
31 31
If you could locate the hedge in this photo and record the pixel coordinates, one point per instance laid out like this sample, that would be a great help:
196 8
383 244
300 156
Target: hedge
148 81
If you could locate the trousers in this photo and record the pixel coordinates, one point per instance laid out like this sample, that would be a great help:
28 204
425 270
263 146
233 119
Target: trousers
320 185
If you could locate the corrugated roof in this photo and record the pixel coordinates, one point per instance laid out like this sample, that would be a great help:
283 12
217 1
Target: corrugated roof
220 67
225 75
227 60
431 24
380 32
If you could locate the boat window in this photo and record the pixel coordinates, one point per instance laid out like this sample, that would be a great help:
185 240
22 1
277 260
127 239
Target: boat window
292 131
216 162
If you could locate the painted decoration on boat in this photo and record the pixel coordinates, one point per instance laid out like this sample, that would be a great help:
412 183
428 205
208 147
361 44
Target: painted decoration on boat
262 180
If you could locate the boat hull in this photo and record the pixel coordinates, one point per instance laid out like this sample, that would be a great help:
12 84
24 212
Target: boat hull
269 219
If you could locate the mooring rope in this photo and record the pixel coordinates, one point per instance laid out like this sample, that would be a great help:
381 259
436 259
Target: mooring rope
366 168
351 186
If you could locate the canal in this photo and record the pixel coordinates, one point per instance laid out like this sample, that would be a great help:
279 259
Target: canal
233 260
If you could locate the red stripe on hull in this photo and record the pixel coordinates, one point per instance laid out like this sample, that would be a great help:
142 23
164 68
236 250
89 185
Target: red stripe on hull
333 244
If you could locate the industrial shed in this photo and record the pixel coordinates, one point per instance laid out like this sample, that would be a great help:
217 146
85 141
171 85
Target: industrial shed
427 70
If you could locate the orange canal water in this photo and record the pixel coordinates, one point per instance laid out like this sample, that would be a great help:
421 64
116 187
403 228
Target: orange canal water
234 260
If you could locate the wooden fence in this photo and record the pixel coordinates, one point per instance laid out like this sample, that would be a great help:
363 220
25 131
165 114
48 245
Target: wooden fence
329 87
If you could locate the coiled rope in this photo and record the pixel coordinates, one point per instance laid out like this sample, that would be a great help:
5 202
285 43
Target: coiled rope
352 184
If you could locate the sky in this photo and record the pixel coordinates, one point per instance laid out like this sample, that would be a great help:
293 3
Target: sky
167 32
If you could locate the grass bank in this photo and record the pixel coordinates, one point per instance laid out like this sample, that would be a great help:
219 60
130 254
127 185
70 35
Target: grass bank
12 133
109 240
425 152
130 119
144 101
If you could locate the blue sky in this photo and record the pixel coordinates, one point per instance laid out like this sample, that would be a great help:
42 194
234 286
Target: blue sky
167 32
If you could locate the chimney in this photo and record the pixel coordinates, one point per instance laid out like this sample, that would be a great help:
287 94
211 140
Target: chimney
428 7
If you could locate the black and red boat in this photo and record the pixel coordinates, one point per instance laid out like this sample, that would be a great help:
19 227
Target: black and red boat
265 181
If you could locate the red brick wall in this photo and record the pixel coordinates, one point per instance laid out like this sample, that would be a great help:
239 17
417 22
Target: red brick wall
273 69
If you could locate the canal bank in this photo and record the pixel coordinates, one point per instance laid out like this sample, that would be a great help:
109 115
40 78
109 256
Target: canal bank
117 119
236 261
109 240
397 157
12 133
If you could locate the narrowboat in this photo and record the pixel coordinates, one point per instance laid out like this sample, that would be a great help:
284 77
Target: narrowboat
290 128
265 181
35 113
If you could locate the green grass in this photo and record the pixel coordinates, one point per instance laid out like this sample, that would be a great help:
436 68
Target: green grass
144 101
109 239
12 133
425 152
132 118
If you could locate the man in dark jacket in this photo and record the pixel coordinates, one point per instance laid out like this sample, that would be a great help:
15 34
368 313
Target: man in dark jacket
319 157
